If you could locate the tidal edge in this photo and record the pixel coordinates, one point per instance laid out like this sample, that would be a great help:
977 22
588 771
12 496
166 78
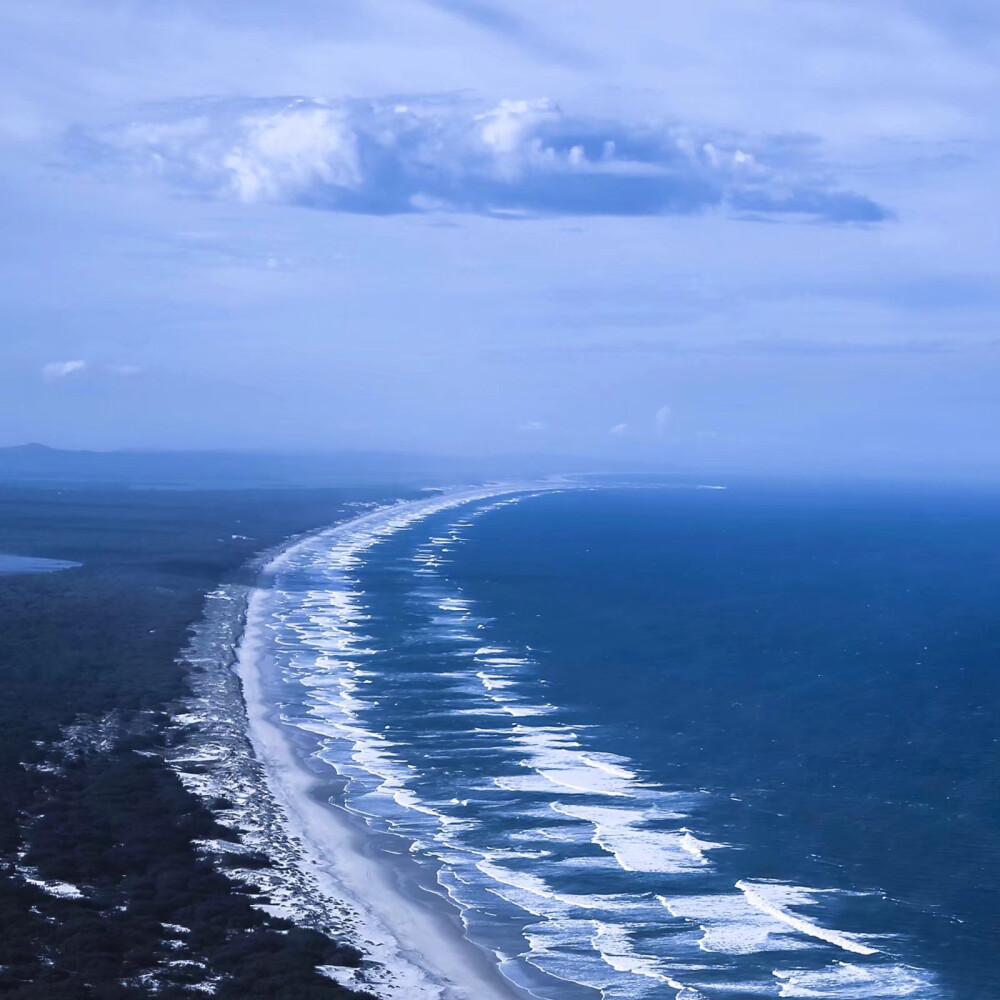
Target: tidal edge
307 858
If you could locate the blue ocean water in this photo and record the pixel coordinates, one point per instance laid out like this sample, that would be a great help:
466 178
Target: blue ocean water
673 741
32 564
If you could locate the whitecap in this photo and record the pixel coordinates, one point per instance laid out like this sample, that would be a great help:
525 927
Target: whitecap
854 982
636 846
773 898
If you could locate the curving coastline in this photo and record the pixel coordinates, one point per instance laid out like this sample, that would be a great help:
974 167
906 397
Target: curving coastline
329 871
417 941
363 850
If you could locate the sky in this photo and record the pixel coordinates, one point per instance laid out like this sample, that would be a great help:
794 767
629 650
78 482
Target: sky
732 235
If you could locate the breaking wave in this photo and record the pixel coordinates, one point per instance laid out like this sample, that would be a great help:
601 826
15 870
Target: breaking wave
564 858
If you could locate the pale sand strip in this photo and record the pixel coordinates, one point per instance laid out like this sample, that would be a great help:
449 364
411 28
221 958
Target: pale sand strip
419 941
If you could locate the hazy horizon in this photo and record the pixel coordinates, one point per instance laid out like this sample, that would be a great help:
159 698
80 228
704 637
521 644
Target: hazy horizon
738 237
238 468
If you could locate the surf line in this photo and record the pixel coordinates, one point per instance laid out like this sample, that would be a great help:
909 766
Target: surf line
803 926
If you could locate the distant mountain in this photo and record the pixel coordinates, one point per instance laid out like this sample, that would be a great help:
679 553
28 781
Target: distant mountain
38 463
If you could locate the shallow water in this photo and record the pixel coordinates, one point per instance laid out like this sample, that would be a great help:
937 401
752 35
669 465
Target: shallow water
32 564
674 742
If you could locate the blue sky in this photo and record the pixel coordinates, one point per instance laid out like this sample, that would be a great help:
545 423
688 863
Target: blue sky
731 235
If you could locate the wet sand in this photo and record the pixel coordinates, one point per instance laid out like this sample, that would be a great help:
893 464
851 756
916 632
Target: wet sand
416 935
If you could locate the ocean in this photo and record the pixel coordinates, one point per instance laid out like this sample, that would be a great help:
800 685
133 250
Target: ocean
10 565
671 740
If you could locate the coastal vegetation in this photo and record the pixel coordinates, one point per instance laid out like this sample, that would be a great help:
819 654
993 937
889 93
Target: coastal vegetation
104 891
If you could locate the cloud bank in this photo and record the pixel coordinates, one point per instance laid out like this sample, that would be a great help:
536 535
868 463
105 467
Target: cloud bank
517 158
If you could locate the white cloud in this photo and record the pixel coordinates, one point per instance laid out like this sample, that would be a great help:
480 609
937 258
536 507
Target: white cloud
296 151
662 418
446 154
619 429
531 426
55 370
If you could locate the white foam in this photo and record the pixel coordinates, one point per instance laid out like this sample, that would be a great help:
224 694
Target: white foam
563 948
636 847
854 982
582 780
54 887
492 682
552 902
555 754
772 898
728 925
609 764
617 949
601 956
525 711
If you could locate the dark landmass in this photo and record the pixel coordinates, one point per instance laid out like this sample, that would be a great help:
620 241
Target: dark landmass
95 649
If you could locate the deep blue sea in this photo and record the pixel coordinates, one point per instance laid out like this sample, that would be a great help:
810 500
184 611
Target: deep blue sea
673 741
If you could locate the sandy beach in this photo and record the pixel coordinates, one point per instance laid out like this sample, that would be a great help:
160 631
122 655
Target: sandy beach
414 934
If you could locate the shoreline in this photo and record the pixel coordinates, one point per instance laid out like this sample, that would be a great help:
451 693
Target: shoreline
418 940
404 925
